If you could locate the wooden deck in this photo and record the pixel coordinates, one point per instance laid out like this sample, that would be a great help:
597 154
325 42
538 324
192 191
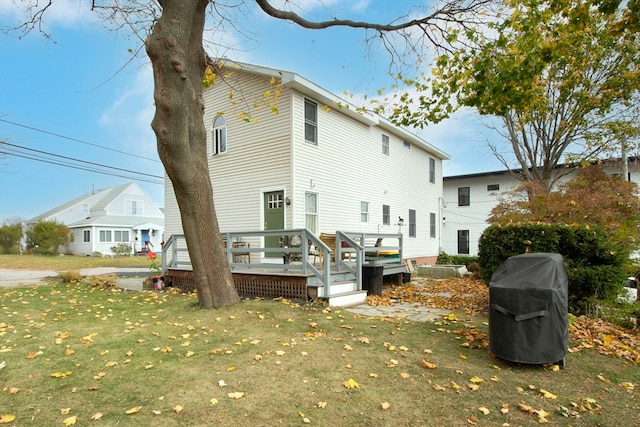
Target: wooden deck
300 273
272 283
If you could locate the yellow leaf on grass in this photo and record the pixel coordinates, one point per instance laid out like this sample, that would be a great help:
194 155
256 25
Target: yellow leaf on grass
177 409
7 418
404 375
484 410
213 401
429 365
96 416
462 356
236 395
548 395
351 383
133 410
61 374
231 368
65 411
321 405
385 406
70 421
629 386
476 380
13 390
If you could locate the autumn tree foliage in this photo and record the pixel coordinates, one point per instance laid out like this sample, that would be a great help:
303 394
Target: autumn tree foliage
563 78
592 197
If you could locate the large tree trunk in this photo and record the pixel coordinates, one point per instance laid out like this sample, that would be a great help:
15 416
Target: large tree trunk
179 61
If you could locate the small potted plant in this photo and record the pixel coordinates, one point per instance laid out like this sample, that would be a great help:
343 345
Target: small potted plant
157 279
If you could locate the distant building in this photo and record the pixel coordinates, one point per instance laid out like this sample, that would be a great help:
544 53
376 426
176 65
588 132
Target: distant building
469 199
104 218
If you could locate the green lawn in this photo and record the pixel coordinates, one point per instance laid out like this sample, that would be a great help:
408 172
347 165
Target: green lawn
73 353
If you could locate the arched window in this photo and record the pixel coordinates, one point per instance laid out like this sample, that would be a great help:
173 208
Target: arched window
219 136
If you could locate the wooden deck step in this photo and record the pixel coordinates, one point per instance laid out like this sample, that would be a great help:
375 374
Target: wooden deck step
347 299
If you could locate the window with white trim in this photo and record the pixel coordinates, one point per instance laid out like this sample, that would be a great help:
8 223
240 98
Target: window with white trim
86 236
134 207
412 223
432 225
364 212
219 135
406 145
463 242
105 236
385 144
464 196
310 122
432 170
121 235
311 212
386 215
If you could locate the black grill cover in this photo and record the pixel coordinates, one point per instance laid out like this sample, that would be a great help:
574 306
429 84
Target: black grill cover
528 314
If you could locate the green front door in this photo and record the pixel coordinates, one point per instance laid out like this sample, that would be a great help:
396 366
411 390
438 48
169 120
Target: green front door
273 206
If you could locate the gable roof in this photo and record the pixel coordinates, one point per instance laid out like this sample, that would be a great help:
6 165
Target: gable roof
306 87
99 200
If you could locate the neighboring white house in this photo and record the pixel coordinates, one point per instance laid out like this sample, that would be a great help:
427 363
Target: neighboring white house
109 216
318 163
469 199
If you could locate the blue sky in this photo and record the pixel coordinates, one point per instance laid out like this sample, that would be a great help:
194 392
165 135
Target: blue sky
69 97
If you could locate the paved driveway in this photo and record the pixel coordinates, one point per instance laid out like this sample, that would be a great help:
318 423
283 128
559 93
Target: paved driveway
10 278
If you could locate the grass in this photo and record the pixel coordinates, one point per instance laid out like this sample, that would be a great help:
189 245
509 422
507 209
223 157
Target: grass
76 351
68 262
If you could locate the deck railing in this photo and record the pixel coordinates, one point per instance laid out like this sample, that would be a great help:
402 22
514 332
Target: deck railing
246 250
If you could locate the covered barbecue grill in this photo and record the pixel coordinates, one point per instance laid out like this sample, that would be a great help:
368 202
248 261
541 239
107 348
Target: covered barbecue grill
528 314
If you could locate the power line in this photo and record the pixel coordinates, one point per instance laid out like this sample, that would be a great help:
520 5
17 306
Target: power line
80 160
77 140
76 167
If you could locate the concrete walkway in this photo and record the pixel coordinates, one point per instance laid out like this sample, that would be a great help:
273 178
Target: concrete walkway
11 278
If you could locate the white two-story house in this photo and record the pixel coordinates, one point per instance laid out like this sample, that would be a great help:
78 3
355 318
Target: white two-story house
311 160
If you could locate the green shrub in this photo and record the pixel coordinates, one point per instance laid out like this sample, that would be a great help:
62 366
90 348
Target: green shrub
72 276
466 260
121 249
595 268
46 237
10 236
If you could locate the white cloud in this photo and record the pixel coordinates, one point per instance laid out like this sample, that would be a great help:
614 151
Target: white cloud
60 13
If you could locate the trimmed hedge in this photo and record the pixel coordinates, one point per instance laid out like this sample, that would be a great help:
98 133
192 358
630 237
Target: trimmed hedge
594 267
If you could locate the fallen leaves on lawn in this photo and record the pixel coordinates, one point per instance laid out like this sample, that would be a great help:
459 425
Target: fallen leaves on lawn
448 294
606 338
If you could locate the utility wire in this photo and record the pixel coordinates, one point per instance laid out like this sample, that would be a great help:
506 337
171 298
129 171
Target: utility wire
80 160
77 140
76 167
